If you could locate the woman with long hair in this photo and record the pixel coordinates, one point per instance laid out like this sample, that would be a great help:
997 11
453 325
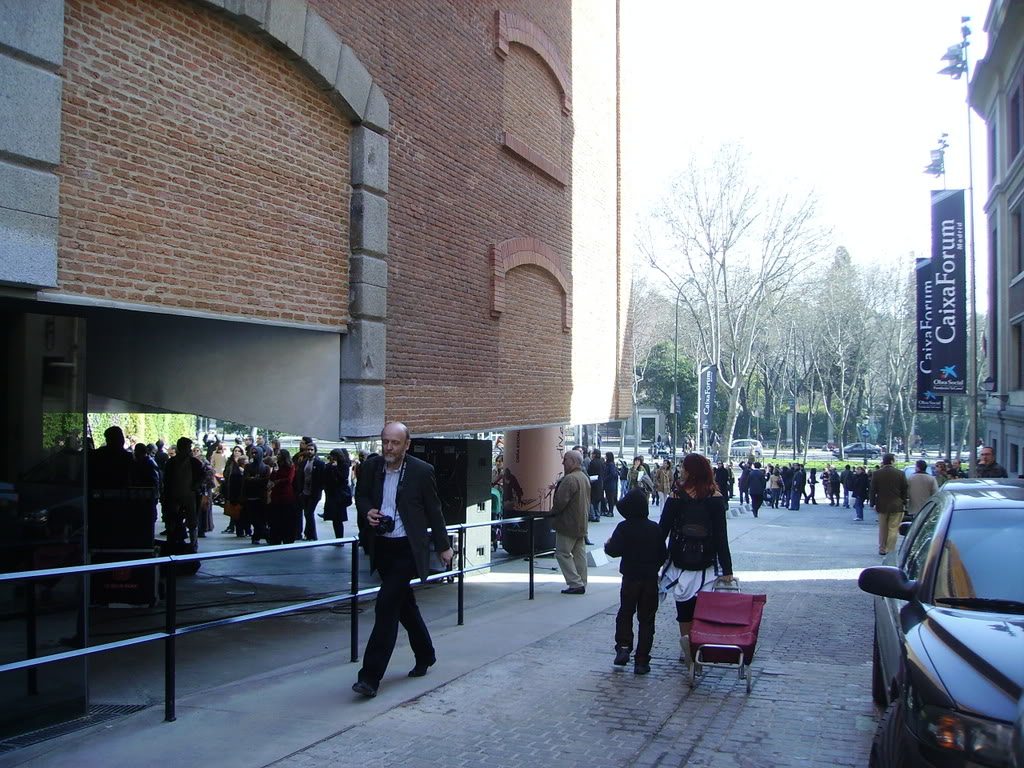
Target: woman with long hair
337 491
282 501
225 489
694 521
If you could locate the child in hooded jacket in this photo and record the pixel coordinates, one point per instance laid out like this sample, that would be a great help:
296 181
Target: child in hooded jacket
641 545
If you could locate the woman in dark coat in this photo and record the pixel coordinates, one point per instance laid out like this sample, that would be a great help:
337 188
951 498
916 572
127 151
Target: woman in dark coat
337 490
282 501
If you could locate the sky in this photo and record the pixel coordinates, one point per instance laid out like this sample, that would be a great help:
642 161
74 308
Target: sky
839 97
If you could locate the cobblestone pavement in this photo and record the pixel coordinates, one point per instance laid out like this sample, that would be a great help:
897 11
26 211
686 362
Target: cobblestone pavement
560 702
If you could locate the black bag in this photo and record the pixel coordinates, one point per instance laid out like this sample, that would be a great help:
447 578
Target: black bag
691 545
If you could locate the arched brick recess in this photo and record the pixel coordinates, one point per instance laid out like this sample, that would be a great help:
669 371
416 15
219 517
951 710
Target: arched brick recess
520 251
516 28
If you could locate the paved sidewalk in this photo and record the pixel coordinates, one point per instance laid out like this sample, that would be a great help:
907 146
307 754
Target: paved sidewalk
532 683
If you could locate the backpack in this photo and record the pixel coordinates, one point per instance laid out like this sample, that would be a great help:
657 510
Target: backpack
691 546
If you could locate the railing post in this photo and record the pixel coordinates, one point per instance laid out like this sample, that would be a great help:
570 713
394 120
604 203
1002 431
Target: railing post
31 636
529 526
170 627
354 605
462 574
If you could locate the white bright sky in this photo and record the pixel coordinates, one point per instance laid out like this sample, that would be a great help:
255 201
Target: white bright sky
836 96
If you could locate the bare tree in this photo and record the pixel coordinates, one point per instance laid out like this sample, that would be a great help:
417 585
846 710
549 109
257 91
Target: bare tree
733 253
648 326
840 359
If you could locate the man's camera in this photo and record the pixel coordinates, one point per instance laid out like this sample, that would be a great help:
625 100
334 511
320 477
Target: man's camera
385 524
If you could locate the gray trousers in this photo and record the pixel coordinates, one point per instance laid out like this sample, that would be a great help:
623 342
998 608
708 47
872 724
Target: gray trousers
571 554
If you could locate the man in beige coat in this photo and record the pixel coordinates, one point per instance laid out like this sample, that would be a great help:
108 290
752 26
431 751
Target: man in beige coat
889 497
569 521
921 487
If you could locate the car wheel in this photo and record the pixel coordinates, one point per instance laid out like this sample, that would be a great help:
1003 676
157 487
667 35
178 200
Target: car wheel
886 748
878 691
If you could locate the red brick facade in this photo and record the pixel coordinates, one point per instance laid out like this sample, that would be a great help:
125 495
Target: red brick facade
199 169
203 170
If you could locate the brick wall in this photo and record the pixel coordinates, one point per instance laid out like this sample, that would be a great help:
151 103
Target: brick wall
199 169
455 190
533 104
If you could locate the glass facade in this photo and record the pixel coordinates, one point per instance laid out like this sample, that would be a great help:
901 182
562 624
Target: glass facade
42 520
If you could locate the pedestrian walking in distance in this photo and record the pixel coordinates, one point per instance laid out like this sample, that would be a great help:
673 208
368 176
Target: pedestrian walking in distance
396 501
756 484
889 492
641 545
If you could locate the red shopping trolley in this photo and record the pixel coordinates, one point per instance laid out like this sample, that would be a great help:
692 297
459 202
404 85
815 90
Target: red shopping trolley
724 632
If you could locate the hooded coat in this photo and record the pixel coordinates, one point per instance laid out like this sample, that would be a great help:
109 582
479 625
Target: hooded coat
637 540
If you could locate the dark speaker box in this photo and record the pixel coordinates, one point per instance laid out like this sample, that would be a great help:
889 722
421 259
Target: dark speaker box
462 469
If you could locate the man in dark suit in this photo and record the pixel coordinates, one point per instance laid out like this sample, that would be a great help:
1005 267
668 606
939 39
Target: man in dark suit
397 501
309 486
889 492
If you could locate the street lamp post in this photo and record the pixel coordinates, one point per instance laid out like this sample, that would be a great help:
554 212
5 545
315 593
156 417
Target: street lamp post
958 68
675 381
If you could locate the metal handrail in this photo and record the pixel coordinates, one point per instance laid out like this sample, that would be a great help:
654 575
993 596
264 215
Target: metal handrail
172 630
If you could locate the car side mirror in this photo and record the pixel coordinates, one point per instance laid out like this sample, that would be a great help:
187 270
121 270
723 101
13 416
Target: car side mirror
905 528
887 581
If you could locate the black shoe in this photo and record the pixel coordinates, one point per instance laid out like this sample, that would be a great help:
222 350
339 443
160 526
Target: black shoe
574 590
641 669
421 669
363 688
621 657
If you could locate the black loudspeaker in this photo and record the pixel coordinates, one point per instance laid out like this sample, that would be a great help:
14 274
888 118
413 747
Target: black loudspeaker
463 472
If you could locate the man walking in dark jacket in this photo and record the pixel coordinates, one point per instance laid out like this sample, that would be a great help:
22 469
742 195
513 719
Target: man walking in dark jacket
859 490
756 483
396 501
845 477
641 545
798 483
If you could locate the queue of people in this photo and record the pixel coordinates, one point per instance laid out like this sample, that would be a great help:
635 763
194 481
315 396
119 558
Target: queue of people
268 494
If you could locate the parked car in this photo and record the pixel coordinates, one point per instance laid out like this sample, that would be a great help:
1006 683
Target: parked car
860 450
948 656
741 449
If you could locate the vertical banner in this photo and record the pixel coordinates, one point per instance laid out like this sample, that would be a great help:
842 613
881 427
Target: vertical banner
927 400
949 273
707 396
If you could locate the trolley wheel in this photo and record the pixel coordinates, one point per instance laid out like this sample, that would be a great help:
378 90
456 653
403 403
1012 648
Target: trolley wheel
690 672
748 675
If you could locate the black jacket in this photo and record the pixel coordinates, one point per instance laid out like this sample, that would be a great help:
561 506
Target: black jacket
316 481
337 492
799 481
638 541
596 468
859 485
718 507
417 503
756 482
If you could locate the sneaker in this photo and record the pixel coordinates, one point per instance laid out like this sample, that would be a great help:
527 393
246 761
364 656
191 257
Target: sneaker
621 657
641 669
574 590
